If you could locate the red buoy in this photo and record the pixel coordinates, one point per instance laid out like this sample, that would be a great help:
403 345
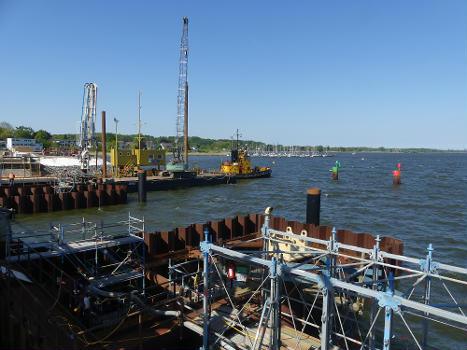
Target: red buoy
396 175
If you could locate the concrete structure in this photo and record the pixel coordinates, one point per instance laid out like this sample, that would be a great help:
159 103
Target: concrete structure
23 145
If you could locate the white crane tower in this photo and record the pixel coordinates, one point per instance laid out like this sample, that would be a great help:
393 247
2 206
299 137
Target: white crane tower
179 162
88 116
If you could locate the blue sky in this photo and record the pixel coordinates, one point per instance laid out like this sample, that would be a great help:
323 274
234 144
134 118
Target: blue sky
337 73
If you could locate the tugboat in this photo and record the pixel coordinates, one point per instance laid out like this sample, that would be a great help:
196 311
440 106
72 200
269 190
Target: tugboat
240 165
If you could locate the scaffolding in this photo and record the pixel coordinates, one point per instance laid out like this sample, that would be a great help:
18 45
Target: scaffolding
306 293
85 279
21 166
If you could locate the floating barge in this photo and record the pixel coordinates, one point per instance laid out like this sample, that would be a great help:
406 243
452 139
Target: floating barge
47 194
247 283
163 183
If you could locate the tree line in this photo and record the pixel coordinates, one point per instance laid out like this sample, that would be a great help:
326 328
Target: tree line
203 145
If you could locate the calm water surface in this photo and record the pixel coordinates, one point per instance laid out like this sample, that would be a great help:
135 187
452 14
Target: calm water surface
429 207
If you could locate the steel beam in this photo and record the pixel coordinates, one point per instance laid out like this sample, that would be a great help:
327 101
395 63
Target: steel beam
336 283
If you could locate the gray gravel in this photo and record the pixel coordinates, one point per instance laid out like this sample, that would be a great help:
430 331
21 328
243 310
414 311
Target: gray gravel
73 171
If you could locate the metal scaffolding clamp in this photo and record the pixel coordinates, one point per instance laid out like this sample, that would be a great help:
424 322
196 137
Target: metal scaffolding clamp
205 246
386 300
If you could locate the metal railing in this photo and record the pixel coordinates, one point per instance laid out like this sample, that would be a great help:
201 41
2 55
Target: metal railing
352 297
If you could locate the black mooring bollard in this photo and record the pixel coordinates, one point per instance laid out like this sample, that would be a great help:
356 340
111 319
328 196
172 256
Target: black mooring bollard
142 186
313 203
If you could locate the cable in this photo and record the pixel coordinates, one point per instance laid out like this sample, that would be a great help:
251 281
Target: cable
59 292
238 330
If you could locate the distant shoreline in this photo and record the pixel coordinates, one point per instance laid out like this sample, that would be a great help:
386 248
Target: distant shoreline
350 152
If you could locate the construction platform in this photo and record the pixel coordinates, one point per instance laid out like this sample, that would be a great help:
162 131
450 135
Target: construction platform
162 183
251 282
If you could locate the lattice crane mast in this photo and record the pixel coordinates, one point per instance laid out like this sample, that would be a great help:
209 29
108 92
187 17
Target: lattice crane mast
88 116
180 159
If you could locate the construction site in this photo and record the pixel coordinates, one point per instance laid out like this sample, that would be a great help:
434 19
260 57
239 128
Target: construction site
32 183
249 282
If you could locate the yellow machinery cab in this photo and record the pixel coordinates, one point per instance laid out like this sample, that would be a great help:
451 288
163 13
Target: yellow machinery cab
128 161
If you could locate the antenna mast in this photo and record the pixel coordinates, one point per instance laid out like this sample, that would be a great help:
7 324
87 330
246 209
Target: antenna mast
139 121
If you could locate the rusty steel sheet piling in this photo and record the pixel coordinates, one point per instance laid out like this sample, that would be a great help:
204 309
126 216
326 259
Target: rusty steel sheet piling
183 242
33 199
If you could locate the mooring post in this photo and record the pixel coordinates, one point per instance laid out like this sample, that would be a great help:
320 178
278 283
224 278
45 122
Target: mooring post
313 204
205 250
142 186
428 267
375 258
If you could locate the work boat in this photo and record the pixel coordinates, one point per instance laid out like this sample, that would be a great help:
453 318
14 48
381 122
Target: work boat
240 166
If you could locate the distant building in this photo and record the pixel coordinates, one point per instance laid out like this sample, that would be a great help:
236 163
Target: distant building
23 145
3 145
67 143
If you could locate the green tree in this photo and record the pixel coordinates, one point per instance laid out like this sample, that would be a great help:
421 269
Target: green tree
6 125
6 130
43 137
319 148
24 132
